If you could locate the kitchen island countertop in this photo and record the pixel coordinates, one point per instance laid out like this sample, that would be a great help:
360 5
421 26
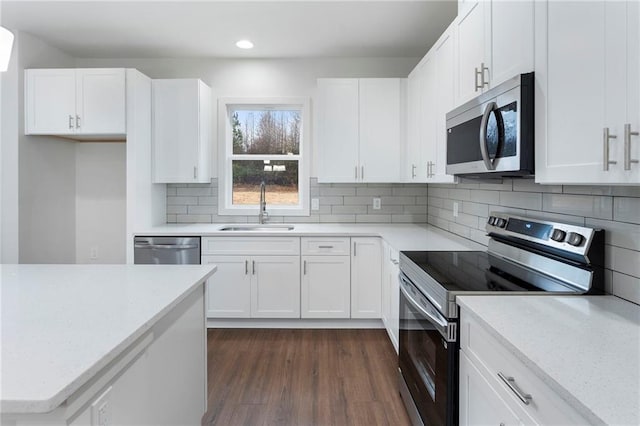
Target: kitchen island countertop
62 324
585 348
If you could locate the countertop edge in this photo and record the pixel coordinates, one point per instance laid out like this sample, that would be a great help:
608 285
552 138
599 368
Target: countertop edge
10 407
567 396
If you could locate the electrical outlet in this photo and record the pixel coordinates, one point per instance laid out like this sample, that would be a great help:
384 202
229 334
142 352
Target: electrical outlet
376 203
315 204
93 253
455 209
101 409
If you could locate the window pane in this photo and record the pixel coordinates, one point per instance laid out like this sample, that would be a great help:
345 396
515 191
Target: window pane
266 131
280 177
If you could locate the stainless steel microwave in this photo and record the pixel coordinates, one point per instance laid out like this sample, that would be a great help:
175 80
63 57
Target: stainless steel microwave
493 134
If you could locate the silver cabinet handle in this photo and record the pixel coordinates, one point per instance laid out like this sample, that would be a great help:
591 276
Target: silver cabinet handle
246 267
304 267
70 121
362 172
253 267
195 172
511 383
354 249
77 121
413 171
483 82
356 172
477 73
627 146
605 152
327 247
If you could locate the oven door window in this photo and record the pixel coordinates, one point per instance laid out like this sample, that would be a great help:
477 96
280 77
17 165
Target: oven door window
427 364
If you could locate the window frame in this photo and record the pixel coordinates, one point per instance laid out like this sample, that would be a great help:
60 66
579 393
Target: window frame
226 156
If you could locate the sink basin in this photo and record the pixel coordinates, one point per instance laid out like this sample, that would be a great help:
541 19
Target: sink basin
257 228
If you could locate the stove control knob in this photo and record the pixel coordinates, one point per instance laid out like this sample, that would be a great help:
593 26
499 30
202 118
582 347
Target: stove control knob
492 220
500 222
575 239
558 235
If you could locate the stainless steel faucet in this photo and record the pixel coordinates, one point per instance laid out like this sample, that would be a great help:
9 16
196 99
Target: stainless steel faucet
262 216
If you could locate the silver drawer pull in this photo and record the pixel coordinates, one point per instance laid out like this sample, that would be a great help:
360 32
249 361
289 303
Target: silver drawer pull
511 383
606 137
627 146
327 247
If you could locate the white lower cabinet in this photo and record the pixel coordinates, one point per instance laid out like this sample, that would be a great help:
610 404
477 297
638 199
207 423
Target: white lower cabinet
366 277
256 278
229 290
275 287
479 403
326 286
497 388
391 293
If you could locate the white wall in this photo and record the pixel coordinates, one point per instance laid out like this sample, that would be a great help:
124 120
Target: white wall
38 173
100 202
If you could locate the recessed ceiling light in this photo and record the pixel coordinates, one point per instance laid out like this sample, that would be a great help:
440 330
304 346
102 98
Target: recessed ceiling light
245 44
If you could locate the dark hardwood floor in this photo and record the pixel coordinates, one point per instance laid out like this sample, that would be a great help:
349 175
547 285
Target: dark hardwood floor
302 377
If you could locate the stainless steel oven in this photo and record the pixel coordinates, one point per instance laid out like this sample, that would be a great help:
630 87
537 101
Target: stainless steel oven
524 256
427 359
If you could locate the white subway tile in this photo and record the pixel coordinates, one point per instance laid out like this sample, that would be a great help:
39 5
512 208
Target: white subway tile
410 190
374 191
509 210
421 210
460 194
208 201
171 209
626 209
398 200
194 218
190 192
438 192
626 287
528 185
579 205
337 218
197 210
421 200
556 217
486 197
476 209
409 218
182 200
331 200
522 200
351 209
329 191
373 218
393 209
622 260
458 229
171 218
467 220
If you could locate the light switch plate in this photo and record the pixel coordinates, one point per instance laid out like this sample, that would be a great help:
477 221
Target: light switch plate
376 203
315 204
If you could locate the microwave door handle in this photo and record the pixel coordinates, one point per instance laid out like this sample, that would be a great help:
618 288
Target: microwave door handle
484 143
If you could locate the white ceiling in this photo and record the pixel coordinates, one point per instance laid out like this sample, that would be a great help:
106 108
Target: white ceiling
279 29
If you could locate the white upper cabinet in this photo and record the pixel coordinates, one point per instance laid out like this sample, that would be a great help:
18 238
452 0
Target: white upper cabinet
181 148
360 129
77 103
430 97
494 43
587 114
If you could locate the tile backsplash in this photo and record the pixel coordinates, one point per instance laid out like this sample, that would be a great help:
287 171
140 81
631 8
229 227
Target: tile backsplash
339 203
614 209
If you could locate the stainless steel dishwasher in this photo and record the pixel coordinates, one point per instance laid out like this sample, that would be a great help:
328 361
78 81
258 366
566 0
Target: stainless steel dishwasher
166 250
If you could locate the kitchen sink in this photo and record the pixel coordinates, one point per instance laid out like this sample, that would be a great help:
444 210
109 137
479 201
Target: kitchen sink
257 228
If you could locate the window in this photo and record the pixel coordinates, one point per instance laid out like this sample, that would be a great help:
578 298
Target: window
264 141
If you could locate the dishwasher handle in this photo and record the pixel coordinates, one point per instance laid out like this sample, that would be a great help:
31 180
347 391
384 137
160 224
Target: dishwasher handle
166 246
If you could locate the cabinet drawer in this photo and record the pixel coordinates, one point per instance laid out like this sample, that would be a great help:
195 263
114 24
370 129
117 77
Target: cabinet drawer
326 246
492 359
250 246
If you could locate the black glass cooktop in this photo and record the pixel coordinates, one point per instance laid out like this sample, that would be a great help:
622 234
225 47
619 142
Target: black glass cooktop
479 271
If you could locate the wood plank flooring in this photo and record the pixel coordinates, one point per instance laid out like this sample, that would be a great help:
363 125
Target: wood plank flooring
302 377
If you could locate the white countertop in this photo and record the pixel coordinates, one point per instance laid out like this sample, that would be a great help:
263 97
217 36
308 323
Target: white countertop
586 348
61 324
399 236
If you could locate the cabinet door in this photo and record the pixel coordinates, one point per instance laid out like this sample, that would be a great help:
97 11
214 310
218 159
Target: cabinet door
326 287
229 289
580 75
394 302
275 287
479 402
380 128
471 50
175 130
428 110
100 101
338 132
511 39
415 169
633 90
50 101
366 278
444 60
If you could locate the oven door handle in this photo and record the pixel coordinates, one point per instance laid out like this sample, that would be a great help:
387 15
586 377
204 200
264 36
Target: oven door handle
433 317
